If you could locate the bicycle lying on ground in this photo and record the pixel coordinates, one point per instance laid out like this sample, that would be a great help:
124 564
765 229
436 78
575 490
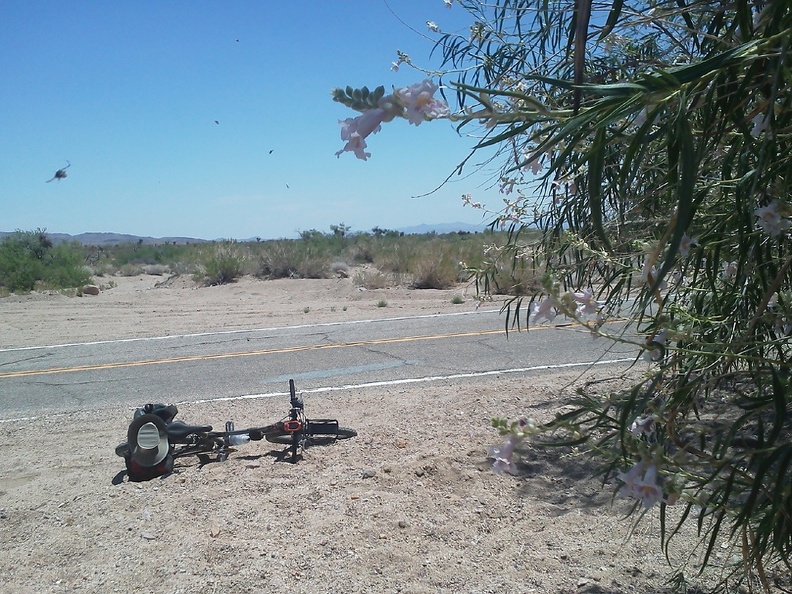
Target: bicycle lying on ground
154 438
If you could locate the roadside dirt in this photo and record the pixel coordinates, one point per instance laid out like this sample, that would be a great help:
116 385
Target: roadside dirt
410 505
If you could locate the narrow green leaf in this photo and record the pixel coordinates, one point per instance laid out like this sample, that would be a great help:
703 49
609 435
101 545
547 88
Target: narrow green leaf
596 164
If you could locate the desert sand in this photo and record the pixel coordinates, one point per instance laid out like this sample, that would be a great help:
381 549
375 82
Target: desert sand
410 505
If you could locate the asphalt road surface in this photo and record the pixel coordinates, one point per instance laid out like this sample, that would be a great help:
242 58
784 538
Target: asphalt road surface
37 381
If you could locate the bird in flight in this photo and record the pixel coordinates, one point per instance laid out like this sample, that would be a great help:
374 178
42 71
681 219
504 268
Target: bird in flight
216 122
60 173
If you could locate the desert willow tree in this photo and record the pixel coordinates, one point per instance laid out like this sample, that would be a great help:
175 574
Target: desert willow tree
651 142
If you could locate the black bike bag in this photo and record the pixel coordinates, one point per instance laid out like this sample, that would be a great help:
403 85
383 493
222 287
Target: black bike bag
180 429
166 412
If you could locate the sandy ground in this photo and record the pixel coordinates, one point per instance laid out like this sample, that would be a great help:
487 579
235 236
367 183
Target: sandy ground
410 505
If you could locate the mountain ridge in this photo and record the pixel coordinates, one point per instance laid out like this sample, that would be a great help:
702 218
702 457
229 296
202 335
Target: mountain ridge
110 238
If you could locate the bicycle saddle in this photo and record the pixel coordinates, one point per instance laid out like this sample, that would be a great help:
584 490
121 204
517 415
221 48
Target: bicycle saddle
180 429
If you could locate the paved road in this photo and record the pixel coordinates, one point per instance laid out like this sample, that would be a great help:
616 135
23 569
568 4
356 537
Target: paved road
65 378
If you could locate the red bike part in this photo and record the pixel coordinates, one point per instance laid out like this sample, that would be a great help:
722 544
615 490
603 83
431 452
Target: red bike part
292 426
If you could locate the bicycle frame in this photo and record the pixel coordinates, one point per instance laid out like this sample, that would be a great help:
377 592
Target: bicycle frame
294 430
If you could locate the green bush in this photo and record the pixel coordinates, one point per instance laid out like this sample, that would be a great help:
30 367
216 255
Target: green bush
374 279
64 267
221 263
29 259
139 253
431 271
286 258
397 257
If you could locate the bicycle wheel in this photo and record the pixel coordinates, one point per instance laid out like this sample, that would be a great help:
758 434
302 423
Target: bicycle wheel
315 434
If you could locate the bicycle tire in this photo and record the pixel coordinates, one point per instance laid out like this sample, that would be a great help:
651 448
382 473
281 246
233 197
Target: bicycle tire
285 438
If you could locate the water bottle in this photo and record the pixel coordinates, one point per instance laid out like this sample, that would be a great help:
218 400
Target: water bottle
240 439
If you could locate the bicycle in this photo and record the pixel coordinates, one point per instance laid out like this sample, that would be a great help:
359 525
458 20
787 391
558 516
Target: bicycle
155 439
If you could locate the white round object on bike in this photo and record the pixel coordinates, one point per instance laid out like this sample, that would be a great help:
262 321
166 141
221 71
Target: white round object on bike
148 440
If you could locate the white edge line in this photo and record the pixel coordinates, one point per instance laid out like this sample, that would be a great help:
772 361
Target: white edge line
245 331
412 380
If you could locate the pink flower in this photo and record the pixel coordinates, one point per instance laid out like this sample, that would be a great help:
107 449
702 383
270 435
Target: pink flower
642 426
645 488
770 219
534 162
686 244
355 131
503 456
630 478
420 102
588 305
729 269
544 309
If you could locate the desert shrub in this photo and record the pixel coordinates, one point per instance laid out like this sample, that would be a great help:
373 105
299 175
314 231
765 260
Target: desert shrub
131 270
373 279
155 269
222 263
396 258
64 267
292 259
28 259
362 250
434 271
278 259
313 266
140 253
340 269
516 278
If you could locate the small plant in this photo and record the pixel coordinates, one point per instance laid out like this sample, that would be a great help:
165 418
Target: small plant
306 309
131 270
223 263
372 279
155 269
457 300
382 303
340 269
431 272
286 258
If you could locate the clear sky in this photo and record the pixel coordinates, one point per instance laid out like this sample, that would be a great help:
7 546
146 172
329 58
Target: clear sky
128 93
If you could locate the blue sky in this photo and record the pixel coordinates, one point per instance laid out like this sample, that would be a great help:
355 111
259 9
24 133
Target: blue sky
128 93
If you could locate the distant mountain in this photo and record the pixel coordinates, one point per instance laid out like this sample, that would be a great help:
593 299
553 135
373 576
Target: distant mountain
113 238
440 228
109 239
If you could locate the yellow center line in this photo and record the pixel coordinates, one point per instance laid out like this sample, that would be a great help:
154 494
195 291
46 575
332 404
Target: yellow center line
313 347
